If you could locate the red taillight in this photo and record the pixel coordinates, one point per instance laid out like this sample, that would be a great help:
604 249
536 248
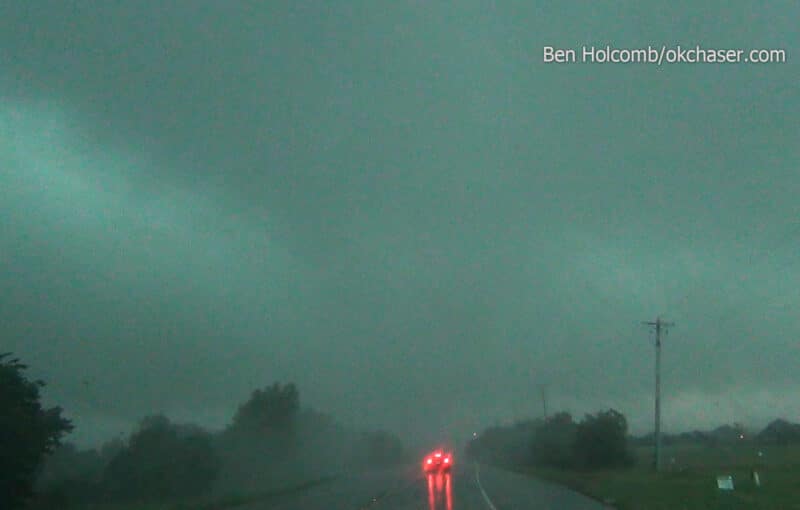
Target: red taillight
438 455
429 460
447 460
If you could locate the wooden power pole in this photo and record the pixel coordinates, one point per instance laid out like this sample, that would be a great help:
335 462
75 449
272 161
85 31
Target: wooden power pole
543 391
658 325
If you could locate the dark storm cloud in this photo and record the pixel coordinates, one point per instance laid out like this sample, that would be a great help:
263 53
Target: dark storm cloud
398 206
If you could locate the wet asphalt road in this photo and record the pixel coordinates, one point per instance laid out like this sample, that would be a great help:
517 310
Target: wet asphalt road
468 487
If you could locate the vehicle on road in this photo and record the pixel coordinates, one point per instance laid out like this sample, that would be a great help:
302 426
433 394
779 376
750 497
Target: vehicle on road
437 460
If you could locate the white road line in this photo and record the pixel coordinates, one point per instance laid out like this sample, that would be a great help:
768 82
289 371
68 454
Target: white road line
483 492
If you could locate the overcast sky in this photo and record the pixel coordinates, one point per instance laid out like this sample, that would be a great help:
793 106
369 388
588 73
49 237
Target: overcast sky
400 207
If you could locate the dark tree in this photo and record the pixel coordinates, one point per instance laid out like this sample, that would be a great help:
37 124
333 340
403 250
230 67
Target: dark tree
780 432
162 461
28 432
553 442
111 449
601 441
272 409
67 462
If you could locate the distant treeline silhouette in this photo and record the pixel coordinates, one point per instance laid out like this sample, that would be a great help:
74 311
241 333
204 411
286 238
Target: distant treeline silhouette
778 432
600 440
271 441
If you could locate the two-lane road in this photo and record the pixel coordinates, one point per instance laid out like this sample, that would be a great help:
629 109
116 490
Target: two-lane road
468 487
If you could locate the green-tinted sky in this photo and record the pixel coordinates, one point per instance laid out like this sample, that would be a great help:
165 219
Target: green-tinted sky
400 207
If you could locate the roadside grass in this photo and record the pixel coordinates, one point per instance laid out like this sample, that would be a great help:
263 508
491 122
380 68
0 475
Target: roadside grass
233 501
688 479
220 503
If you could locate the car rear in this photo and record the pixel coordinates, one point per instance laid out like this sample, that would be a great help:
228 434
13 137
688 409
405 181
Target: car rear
437 461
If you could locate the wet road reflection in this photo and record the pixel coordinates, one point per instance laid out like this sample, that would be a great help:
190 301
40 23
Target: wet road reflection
440 491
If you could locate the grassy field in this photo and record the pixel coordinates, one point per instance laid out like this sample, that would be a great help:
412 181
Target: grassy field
222 503
688 480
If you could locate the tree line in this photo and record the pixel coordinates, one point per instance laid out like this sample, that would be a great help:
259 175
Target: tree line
601 440
597 441
271 439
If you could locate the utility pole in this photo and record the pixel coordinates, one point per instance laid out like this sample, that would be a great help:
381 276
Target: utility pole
543 391
659 326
